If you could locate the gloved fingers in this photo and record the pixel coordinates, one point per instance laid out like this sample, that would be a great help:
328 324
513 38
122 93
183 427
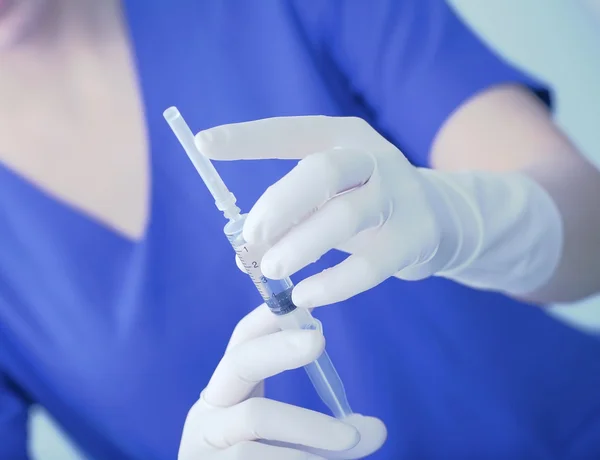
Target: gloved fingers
336 222
259 391
266 419
301 192
193 447
373 434
287 137
359 272
250 362
398 248
255 450
257 323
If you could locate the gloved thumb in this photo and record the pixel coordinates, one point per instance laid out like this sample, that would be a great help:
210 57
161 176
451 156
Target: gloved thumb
373 435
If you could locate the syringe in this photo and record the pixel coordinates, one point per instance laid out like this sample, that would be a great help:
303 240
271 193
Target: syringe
277 294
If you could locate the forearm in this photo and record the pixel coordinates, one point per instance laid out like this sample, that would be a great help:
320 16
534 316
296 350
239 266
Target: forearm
507 131
574 186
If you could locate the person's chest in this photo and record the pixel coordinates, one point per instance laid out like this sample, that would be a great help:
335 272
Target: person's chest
76 111
71 115
117 337
123 291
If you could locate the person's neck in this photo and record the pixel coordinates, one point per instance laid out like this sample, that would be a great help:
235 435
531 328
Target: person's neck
40 24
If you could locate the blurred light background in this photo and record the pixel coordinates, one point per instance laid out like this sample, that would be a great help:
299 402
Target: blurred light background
556 40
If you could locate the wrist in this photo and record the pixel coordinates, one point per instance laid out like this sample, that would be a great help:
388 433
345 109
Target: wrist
503 230
459 221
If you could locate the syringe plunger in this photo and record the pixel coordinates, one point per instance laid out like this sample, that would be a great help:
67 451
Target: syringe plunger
276 293
224 199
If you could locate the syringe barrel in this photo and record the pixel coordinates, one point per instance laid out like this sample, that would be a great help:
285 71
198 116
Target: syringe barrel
277 294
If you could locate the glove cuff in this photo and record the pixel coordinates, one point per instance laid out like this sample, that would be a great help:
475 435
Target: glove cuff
500 231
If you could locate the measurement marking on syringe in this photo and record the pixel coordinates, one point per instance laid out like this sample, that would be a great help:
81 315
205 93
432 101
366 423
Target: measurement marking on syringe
322 374
250 259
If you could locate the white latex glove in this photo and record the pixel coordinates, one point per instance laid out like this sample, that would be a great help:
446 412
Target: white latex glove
355 191
232 419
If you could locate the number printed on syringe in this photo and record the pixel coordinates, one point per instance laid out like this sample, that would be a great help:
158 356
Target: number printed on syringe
250 256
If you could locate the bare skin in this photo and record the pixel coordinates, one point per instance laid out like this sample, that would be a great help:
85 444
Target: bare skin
509 129
71 122
71 117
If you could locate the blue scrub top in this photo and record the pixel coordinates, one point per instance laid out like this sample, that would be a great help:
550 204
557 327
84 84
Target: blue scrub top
117 338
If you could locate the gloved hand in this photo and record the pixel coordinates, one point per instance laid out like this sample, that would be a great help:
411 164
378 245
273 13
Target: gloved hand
232 419
353 190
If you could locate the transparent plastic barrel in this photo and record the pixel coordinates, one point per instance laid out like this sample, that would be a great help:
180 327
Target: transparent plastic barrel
277 294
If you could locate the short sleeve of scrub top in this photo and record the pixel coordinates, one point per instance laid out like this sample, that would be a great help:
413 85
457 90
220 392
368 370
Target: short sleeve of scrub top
452 371
411 62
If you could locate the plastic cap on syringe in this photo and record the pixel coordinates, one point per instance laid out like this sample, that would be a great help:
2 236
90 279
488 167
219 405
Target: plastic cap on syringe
224 199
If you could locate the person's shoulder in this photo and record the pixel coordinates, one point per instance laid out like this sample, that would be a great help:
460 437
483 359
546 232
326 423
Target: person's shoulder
354 19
